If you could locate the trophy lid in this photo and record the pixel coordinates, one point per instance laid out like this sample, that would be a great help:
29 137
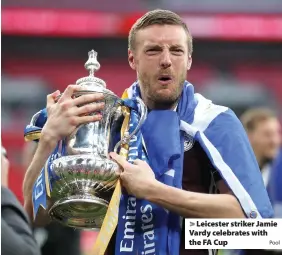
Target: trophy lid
92 65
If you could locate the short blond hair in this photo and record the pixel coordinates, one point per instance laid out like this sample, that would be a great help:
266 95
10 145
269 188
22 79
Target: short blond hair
158 17
252 117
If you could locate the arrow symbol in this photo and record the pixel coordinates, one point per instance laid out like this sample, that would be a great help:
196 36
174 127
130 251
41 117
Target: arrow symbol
192 224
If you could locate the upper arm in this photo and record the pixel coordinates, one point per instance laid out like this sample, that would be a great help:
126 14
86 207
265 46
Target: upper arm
42 218
28 152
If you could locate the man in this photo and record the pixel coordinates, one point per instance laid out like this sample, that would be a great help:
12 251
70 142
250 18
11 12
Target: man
264 132
185 150
16 238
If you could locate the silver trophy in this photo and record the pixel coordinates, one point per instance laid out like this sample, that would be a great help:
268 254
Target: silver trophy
86 176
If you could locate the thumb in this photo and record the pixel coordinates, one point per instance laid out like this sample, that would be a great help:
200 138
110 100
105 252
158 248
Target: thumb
119 159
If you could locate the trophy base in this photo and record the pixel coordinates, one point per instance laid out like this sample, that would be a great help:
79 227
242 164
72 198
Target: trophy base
80 211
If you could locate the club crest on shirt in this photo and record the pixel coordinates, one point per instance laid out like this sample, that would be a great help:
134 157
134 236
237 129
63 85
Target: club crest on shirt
188 142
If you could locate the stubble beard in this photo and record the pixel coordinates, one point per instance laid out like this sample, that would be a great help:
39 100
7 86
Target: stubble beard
159 101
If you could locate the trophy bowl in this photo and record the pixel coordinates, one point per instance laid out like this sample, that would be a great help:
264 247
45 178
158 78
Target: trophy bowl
84 177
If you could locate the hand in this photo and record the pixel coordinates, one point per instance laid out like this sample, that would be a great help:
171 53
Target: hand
67 114
137 178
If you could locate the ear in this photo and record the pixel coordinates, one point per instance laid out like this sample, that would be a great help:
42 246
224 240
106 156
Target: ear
131 60
189 62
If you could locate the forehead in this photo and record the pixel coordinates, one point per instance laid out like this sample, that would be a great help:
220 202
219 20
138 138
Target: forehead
269 124
162 35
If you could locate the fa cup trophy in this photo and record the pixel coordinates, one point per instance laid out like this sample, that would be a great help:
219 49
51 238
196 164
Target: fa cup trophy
86 177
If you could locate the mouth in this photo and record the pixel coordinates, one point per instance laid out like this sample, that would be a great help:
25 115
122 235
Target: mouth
165 79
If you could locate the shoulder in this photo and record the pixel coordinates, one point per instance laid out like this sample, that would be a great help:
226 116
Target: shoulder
9 202
209 116
212 119
8 198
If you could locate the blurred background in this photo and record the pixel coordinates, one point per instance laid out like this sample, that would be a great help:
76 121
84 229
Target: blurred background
237 59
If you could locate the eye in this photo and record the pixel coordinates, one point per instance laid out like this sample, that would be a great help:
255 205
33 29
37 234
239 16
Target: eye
153 51
177 51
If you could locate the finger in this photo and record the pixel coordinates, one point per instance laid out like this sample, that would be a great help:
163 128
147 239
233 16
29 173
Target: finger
138 162
89 108
69 92
56 94
51 98
86 119
119 159
90 98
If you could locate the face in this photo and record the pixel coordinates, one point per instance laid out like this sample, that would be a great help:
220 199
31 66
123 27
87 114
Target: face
161 61
266 139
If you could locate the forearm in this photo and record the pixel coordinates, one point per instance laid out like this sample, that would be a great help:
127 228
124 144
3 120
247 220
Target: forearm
195 205
44 149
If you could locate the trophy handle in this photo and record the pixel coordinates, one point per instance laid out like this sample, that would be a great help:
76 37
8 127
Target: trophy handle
126 137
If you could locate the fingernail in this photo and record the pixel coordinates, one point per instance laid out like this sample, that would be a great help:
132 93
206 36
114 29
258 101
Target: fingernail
57 92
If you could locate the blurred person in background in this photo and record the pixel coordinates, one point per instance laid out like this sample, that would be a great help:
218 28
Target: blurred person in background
264 132
160 49
17 237
54 239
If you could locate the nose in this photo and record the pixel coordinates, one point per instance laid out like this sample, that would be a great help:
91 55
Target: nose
165 61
